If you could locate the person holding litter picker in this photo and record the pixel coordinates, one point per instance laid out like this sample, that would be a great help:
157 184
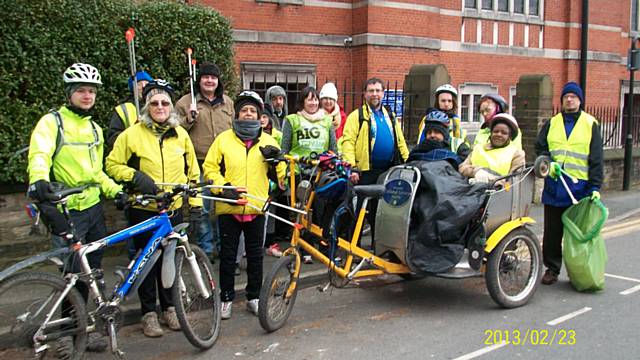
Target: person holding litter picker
237 159
205 113
572 139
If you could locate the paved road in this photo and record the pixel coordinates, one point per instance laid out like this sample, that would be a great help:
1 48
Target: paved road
438 319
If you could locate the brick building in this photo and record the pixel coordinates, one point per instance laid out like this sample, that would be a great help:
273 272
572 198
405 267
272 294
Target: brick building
486 45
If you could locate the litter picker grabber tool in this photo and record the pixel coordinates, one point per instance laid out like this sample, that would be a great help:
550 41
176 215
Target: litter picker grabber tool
129 35
192 73
561 171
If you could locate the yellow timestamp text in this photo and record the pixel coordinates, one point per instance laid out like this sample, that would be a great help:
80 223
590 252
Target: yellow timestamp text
535 337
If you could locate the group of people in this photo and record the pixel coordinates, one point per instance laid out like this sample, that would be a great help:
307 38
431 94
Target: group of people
211 137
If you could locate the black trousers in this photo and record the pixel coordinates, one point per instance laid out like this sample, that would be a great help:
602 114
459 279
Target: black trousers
230 230
152 284
552 240
89 226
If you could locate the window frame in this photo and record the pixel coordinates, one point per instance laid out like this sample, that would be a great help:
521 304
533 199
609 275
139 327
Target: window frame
479 11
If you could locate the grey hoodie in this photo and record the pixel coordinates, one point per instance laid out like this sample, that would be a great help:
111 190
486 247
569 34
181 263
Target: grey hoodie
277 90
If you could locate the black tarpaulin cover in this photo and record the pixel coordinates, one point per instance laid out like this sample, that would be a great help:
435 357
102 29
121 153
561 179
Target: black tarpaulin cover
444 205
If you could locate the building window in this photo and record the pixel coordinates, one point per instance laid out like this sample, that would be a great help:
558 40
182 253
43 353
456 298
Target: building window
503 5
518 6
533 7
292 77
512 100
528 8
634 15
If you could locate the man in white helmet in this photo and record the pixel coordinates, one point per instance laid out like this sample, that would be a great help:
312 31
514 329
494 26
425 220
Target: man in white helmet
66 147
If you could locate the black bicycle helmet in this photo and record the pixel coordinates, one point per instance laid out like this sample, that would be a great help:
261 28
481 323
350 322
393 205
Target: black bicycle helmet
160 85
331 185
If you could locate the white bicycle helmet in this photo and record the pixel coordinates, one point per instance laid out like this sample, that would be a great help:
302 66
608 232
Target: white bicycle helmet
446 88
80 73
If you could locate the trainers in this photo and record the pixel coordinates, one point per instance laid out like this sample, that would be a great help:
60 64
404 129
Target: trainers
150 325
170 319
274 250
64 347
252 306
549 277
307 259
225 310
96 343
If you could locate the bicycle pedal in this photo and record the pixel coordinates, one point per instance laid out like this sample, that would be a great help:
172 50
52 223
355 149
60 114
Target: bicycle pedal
324 288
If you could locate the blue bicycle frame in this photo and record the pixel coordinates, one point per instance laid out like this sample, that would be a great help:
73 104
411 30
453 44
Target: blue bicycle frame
162 226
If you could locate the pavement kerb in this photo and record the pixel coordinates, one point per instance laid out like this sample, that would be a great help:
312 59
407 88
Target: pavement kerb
131 308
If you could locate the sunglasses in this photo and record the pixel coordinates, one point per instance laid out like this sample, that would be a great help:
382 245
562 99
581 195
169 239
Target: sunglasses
158 103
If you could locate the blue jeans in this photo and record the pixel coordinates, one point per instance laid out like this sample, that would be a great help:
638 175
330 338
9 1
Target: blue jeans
207 231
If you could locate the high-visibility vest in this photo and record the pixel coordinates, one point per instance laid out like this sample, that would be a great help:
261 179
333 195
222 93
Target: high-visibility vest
128 114
572 153
496 161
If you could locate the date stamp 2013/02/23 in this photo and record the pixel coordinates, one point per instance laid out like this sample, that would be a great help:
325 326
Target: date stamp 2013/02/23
535 337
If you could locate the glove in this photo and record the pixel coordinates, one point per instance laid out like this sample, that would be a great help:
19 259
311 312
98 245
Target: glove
595 195
231 194
554 171
482 176
270 152
144 184
121 199
39 190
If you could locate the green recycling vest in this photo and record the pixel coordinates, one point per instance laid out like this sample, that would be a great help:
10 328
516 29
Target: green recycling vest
572 153
309 136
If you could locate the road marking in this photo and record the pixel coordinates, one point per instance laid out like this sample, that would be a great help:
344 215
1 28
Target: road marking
628 214
571 315
630 290
627 226
622 277
481 352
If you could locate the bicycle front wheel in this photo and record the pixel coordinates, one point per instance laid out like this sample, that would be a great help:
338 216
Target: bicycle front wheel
278 294
26 299
199 317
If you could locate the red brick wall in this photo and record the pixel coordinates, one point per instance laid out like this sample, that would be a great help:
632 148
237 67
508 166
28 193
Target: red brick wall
355 64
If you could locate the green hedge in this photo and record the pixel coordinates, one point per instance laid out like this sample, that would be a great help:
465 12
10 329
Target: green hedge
40 39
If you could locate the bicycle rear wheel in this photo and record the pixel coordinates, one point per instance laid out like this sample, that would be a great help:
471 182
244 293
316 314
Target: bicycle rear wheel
199 317
25 301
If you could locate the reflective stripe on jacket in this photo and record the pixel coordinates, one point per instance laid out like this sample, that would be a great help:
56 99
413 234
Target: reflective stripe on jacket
229 161
571 153
78 160
128 114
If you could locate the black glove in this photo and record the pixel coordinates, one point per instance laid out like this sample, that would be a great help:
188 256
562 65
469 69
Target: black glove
231 194
39 190
121 200
144 183
270 152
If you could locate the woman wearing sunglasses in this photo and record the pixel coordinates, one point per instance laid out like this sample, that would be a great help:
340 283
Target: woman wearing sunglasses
155 150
